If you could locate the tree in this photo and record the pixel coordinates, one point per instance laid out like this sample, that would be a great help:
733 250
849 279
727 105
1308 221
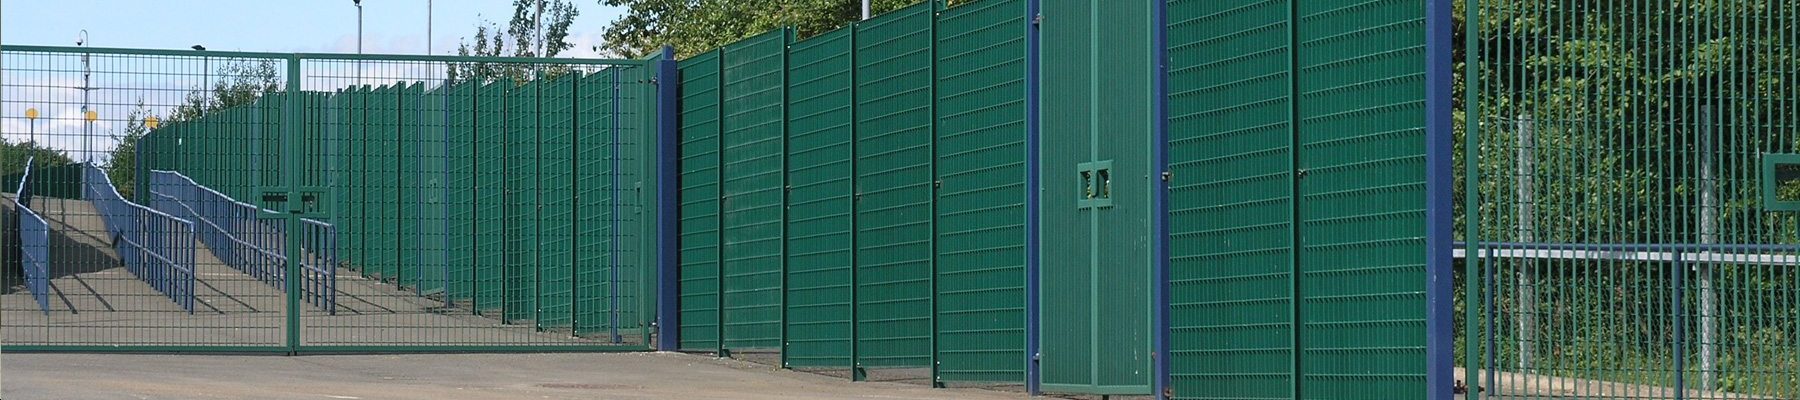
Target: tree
695 26
522 34
122 165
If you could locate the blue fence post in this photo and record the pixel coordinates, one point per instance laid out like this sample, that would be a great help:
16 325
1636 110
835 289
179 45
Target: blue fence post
1440 224
668 187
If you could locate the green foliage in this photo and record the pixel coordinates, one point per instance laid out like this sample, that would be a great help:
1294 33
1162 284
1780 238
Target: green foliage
14 155
695 26
122 165
520 38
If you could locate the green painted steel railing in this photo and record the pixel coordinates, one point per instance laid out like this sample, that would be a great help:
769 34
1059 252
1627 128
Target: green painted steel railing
1625 199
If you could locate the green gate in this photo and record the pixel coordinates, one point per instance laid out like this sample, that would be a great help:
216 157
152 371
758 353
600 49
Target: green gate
1097 182
297 203
1628 212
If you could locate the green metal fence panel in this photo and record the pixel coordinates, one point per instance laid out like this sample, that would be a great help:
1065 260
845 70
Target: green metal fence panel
431 228
491 222
1361 140
1230 202
384 185
597 156
460 189
894 189
522 200
636 127
1631 198
820 223
556 256
701 93
408 197
346 192
751 163
980 227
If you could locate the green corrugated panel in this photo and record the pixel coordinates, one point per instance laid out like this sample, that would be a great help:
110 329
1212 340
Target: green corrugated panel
1096 255
751 166
894 185
596 146
460 189
699 239
556 257
819 224
980 225
1230 213
490 195
634 192
522 202
429 238
270 109
1362 206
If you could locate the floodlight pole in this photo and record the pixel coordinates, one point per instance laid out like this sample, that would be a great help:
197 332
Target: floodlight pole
865 9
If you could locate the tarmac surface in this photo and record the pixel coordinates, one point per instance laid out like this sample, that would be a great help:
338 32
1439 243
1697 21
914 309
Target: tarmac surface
435 377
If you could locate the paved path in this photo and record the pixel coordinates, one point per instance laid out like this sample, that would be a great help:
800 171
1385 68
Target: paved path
466 376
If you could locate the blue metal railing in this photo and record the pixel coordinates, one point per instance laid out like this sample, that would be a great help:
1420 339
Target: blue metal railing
157 247
243 236
34 244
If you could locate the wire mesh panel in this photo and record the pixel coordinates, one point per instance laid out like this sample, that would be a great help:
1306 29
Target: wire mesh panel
1632 199
894 189
752 140
472 195
1230 204
127 265
980 266
701 93
819 222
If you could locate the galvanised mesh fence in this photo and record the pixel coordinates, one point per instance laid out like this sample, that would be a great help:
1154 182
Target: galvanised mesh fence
1631 199
321 203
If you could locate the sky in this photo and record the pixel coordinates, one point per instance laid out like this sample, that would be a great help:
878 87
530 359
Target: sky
51 84
283 26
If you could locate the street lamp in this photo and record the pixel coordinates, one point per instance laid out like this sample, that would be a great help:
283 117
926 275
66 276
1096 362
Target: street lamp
205 77
359 40
31 114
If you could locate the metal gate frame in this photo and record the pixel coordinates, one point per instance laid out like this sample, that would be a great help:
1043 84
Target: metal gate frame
657 287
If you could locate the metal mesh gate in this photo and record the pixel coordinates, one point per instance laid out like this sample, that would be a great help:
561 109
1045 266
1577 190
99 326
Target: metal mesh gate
1631 199
280 202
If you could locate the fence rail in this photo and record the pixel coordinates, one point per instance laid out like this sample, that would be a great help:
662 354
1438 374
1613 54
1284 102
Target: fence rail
250 238
34 243
155 246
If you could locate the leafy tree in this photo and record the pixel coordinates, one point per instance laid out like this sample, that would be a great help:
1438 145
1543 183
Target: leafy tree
520 38
122 165
695 26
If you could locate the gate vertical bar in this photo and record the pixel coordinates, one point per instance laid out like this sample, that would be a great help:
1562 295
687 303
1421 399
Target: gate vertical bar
290 166
1439 220
1159 48
1033 376
1471 196
668 191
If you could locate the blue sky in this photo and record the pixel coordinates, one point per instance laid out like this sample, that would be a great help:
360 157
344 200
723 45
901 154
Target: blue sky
389 26
322 26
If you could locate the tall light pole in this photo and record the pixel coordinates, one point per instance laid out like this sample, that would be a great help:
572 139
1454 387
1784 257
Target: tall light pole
205 77
87 114
31 114
359 40
865 9
428 27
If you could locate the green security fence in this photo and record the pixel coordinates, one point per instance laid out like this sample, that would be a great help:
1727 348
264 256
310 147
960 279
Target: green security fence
1629 229
432 203
865 199
816 196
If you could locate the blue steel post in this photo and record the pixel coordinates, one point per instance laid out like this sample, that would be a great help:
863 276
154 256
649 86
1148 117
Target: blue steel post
667 139
1033 378
1160 289
1439 224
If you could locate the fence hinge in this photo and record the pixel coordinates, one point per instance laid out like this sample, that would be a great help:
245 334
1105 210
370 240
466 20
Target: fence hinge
1167 176
1037 20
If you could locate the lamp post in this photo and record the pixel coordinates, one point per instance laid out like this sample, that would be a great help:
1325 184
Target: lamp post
87 128
205 76
31 114
359 39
